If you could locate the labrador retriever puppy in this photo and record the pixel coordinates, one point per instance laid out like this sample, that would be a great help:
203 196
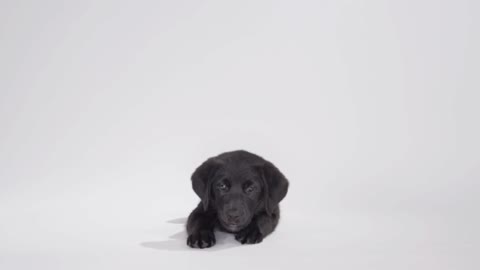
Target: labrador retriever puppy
239 193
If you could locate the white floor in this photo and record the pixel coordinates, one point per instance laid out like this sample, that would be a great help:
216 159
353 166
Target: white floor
68 240
370 108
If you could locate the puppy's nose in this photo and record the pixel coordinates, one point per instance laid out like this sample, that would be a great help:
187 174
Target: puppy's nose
234 215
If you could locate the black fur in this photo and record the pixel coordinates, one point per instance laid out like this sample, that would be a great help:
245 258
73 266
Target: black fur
239 193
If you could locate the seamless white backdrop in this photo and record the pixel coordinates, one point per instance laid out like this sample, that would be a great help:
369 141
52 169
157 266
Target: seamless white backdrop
370 108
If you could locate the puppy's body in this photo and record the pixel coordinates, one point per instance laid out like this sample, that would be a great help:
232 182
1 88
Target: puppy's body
240 193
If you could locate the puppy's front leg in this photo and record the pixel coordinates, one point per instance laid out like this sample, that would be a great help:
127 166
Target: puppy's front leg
200 227
261 226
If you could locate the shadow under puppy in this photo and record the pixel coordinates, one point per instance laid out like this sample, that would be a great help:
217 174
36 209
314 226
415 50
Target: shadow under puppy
239 193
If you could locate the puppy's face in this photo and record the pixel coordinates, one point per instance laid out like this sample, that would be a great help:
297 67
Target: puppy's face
238 185
237 196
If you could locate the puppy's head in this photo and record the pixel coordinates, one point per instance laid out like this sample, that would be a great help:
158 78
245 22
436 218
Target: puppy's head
237 186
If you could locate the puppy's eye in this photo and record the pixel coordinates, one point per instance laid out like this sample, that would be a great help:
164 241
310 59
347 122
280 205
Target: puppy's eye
250 189
222 186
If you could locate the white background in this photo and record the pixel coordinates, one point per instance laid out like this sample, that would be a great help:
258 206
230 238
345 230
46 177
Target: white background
370 108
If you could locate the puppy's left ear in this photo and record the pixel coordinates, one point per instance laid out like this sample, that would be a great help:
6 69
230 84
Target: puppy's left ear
275 186
202 179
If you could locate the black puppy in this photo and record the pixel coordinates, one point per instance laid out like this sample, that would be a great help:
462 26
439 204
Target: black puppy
240 192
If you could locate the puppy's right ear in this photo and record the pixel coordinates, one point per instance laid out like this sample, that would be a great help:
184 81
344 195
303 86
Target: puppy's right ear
275 186
202 179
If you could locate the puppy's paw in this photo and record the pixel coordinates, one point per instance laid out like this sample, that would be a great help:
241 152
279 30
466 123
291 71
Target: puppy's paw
249 235
201 239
